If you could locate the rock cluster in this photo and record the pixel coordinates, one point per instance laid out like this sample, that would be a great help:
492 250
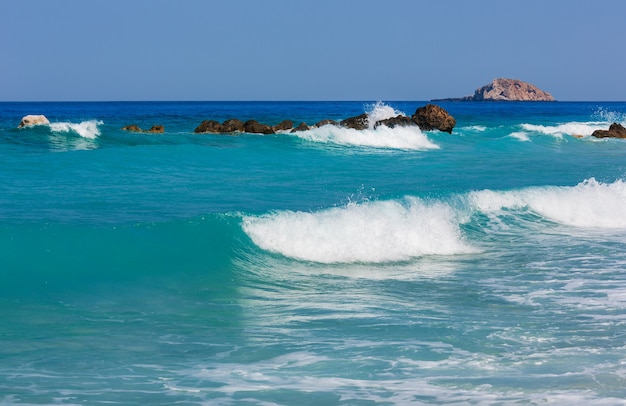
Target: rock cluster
155 129
31 120
427 118
615 131
503 89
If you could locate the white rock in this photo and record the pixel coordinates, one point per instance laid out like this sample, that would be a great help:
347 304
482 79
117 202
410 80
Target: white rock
31 120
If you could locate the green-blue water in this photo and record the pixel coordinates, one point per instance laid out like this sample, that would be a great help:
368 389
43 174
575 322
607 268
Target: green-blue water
386 266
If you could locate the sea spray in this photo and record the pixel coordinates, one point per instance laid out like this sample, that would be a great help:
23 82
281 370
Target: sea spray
380 111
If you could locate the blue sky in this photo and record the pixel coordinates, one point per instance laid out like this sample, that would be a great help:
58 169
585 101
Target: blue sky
69 50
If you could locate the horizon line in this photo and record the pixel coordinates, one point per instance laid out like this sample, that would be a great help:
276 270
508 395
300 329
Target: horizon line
307 101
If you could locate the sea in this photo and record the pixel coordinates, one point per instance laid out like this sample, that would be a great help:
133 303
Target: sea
387 266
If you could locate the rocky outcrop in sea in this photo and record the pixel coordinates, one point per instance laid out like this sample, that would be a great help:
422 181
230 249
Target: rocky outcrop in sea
427 118
32 119
616 130
503 89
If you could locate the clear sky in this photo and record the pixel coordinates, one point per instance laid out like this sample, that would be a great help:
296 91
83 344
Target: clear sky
308 50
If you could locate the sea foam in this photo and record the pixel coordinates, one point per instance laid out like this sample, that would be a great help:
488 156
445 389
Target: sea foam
590 204
572 129
402 138
86 129
372 232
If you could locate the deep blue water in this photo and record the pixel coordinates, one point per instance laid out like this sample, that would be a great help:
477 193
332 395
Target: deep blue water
332 266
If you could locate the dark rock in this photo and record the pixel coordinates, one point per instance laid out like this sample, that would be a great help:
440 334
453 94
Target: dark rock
156 129
615 131
253 126
326 122
358 123
232 125
209 126
283 125
133 128
397 121
431 117
301 127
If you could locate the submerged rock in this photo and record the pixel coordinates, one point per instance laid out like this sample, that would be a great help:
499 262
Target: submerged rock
615 131
32 119
431 117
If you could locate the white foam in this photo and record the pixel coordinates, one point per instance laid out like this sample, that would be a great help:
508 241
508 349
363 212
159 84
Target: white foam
86 129
373 232
572 128
404 138
590 204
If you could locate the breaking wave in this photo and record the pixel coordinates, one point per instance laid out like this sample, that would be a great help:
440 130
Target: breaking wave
590 204
375 232
566 129
402 138
408 228
86 129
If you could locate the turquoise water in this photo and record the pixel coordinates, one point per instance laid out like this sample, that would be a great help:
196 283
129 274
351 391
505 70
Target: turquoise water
387 266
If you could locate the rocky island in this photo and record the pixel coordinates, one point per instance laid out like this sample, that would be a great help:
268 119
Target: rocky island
503 89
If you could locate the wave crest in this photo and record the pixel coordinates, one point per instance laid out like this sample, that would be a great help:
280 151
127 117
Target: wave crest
403 138
572 128
372 232
86 129
590 204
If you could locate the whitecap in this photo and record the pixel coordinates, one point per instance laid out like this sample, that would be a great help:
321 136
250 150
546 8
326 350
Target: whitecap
403 138
590 204
584 129
372 232
86 129
381 111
